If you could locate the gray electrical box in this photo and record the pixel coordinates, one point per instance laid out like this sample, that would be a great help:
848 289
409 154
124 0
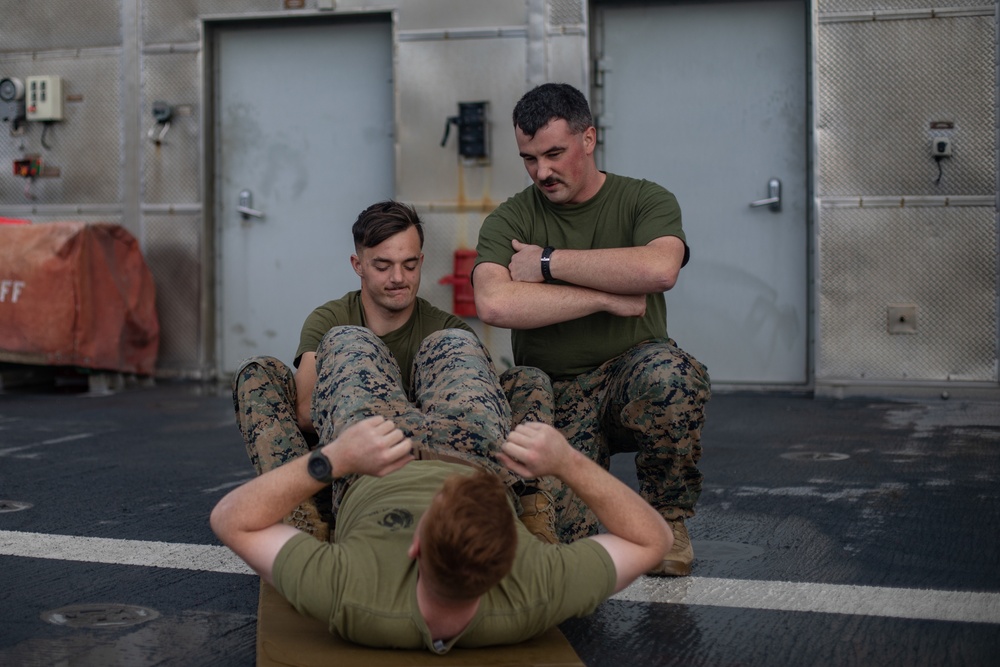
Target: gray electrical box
11 100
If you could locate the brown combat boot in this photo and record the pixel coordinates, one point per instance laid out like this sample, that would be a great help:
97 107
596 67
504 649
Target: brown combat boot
678 561
539 515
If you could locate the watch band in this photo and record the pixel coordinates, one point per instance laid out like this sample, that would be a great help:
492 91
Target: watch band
546 258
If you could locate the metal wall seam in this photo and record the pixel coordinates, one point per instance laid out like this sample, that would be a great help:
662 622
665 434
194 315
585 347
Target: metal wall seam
462 33
131 111
905 14
178 47
889 201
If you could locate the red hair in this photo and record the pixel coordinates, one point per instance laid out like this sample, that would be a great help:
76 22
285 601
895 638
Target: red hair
468 536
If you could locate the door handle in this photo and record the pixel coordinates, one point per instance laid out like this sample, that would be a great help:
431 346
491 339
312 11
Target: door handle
245 206
773 200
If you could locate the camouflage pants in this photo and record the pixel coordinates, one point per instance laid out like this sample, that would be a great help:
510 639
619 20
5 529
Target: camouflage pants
649 400
264 399
458 407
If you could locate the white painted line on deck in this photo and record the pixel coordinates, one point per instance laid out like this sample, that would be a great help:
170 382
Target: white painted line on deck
911 603
53 441
203 557
914 603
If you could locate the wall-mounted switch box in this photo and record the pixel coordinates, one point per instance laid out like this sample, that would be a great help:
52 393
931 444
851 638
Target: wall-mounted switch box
940 147
43 97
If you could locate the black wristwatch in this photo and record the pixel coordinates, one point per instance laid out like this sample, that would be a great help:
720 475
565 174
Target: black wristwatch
546 257
320 467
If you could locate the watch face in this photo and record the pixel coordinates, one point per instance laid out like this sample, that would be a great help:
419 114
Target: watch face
319 466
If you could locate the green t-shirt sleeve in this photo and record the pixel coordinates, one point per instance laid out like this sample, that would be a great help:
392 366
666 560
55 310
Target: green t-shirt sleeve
305 573
657 214
589 578
506 222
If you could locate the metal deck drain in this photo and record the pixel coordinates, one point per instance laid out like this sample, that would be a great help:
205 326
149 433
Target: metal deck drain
100 615
815 456
13 506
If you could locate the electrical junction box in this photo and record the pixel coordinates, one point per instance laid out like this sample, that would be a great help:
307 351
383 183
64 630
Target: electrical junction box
941 147
43 97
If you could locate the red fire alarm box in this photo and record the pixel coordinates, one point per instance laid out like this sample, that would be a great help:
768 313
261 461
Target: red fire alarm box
463 302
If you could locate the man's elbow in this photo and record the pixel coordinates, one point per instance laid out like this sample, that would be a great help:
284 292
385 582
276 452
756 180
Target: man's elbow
489 312
664 280
218 520
660 543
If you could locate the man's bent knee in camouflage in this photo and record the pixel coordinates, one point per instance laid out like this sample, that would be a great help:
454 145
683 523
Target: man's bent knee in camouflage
649 400
458 411
264 398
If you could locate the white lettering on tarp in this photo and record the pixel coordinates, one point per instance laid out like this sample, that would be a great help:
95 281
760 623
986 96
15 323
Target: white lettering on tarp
10 290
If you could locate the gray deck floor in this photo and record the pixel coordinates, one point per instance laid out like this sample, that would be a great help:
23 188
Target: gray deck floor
830 532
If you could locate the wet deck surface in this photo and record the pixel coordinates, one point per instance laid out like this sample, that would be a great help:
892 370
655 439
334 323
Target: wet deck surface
830 532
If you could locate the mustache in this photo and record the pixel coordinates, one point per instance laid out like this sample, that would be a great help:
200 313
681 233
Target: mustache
550 181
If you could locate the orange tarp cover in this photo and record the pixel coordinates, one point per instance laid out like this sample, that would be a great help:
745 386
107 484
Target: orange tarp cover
76 294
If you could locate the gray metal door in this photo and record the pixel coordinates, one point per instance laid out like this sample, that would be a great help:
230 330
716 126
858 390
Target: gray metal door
709 100
303 142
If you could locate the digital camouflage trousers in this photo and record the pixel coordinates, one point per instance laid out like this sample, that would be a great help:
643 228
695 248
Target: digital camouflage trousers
649 400
456 407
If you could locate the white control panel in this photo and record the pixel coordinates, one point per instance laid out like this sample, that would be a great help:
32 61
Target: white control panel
43 97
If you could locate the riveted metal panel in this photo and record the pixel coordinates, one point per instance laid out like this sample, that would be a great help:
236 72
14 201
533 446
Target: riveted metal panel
173 252
60 24
891 5
881 85
943 260
91 127
178 20
566 13
171 169
438 14
432 77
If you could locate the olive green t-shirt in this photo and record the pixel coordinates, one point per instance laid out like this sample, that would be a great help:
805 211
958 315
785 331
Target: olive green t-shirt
403 342
364 585
626 212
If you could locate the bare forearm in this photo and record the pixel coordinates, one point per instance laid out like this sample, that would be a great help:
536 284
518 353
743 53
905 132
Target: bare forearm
641 270
264 500
620 509
532 305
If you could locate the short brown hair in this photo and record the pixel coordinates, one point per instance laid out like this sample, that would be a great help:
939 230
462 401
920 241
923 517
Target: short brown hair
382 220
552 101
468 536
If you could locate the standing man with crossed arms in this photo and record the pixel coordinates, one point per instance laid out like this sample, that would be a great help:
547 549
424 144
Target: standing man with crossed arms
576 266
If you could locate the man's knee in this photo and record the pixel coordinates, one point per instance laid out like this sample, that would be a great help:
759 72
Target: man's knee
262 376
341 336
529 392
451 338
447 345
665 369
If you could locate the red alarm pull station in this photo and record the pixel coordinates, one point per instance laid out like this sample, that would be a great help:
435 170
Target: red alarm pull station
463 302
